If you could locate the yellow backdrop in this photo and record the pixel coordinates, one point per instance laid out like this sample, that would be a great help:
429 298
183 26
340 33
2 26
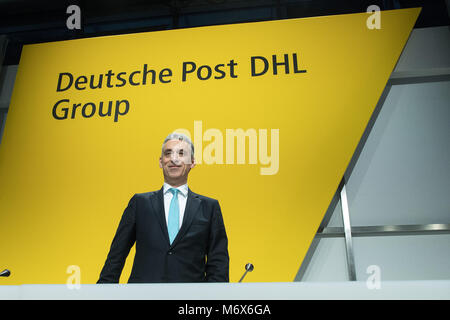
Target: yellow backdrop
67 173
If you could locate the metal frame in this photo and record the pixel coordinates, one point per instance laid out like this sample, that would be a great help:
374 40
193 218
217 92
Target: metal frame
348 235
391 230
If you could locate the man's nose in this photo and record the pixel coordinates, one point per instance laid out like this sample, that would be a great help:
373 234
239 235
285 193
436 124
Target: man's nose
175 158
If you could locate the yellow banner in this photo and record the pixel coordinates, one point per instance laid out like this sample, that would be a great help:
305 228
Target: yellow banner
275 110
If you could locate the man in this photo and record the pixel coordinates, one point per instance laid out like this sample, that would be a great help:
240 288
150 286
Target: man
180 235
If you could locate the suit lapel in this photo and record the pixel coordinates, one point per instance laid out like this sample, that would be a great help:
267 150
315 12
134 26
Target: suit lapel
157 200
192 206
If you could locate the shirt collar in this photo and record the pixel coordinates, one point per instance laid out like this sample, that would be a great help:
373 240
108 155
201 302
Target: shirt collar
183 189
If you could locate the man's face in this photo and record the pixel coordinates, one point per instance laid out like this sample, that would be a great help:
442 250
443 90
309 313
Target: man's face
176 161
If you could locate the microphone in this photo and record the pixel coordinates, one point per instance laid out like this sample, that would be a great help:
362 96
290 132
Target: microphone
248 268
5 273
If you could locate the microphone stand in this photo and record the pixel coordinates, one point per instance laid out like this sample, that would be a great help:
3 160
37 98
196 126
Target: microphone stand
248 268
5 273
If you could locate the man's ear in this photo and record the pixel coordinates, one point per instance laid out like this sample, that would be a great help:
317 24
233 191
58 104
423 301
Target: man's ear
192 163
160 162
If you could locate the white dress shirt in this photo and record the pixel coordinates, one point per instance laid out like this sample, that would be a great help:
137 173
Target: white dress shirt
182 199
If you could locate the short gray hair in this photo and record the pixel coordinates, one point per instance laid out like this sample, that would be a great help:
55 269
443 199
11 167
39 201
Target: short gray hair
181 137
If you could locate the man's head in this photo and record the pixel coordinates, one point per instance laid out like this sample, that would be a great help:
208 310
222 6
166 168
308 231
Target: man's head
177 159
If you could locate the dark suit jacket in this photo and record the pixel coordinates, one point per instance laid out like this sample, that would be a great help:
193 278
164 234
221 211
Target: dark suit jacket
198 253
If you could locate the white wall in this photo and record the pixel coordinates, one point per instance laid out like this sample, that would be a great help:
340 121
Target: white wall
413 257
401 177
7 78
403 174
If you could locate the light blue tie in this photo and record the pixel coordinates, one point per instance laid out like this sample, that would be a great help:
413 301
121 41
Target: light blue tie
173 223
